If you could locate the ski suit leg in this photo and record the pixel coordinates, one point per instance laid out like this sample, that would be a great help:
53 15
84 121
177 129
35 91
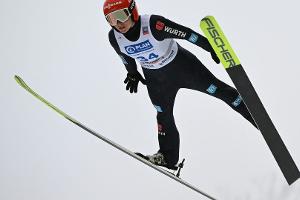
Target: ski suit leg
198 77
230 96
162 89
168 135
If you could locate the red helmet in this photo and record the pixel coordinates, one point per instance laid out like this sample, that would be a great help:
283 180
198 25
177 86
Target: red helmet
111 6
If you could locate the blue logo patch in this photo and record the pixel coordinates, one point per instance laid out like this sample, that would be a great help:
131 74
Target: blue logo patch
238 101
158 108
138 48
212 89
193 38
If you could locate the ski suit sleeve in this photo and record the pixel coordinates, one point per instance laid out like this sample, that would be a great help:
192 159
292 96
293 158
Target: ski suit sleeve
129 62
163 28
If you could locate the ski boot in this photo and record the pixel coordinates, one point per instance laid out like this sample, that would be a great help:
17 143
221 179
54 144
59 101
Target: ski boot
159 160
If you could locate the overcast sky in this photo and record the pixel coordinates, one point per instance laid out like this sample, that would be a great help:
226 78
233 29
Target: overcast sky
61 49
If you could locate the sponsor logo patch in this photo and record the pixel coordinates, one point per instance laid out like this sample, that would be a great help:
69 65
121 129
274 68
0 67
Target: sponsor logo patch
112 4
138 48
158 108
159 25
174 31
223 47
212 89
160 130
193 38
145 30
238 101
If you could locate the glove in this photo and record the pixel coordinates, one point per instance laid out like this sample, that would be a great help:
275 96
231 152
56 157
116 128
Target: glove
132 81
215 57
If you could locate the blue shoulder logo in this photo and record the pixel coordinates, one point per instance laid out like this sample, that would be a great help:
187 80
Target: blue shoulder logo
193 38
140 47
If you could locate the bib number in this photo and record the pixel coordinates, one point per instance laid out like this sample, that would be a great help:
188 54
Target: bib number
150 57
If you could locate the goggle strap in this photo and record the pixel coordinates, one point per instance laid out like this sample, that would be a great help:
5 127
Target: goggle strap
131 6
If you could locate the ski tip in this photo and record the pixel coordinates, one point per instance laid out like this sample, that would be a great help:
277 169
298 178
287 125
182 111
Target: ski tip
19 80
208 17
219 42
208 22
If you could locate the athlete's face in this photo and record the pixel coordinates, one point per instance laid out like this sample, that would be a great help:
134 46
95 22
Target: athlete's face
123 27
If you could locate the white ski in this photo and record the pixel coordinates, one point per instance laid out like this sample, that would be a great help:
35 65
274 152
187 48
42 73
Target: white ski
128 152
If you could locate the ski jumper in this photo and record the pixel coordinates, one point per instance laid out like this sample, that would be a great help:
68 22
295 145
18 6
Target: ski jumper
167 67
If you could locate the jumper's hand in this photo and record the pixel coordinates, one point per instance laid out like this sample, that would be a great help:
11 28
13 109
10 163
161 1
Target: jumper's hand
132 81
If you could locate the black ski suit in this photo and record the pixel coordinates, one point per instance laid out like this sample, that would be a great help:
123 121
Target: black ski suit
185 71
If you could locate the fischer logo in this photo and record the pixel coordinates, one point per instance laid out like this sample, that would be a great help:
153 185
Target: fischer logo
220 43
140 47
112 5
175 32
159 25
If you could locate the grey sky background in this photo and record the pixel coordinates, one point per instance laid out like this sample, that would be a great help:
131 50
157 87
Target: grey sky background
61 49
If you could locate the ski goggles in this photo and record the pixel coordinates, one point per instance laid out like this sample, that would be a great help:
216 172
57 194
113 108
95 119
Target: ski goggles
118 15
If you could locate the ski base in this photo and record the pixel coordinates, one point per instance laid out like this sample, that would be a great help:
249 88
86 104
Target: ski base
110 142
233 67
